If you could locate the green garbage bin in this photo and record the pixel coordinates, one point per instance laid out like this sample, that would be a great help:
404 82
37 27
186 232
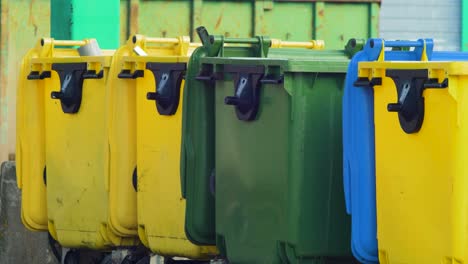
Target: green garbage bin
269 121
197 148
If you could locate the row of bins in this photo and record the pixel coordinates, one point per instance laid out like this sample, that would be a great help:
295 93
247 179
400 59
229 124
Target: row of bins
255 150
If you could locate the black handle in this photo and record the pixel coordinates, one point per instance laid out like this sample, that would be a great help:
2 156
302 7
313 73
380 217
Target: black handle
36 75
204 35
365 82
92 74
153 96
126 74
205 78
434 84
270 79
56 95
232 100
394 107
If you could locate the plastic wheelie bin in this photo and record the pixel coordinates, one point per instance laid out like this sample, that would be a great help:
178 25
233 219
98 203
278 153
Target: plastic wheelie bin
30 137
276 117
197 154
150 80
71 104
420 159
358 138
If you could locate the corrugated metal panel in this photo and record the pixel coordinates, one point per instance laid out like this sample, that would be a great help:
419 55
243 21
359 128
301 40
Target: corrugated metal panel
437 19
241 18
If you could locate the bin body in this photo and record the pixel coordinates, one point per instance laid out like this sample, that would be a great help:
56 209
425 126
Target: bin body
277 168
420 194
278 186
156 138
359 147
197 150
30 151
69 108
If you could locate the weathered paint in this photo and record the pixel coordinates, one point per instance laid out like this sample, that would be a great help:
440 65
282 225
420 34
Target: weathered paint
22 23
334 21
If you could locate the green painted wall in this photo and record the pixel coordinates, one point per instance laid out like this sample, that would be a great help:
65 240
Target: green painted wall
333 21
80 19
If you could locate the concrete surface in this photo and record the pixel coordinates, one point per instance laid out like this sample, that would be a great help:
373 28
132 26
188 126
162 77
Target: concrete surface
17 244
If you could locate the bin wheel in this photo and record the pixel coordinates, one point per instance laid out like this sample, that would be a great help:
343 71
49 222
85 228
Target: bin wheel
144 260
107 259
77 256
138 256
72 257
55 248
168 261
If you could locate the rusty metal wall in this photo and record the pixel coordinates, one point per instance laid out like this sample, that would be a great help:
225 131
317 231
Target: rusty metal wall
22 23
335 21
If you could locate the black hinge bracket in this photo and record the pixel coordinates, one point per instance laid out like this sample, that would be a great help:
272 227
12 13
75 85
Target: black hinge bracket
127 74
36 75
168 78
410 85
247 83
71 77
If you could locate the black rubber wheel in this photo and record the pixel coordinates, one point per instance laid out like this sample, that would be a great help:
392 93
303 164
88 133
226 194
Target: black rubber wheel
107 259
138 256
55 248
144 260
168 260
72 257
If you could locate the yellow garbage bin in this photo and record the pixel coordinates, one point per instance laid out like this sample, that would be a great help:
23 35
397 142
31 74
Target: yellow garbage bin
71 107
421 148
30 137
150 85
